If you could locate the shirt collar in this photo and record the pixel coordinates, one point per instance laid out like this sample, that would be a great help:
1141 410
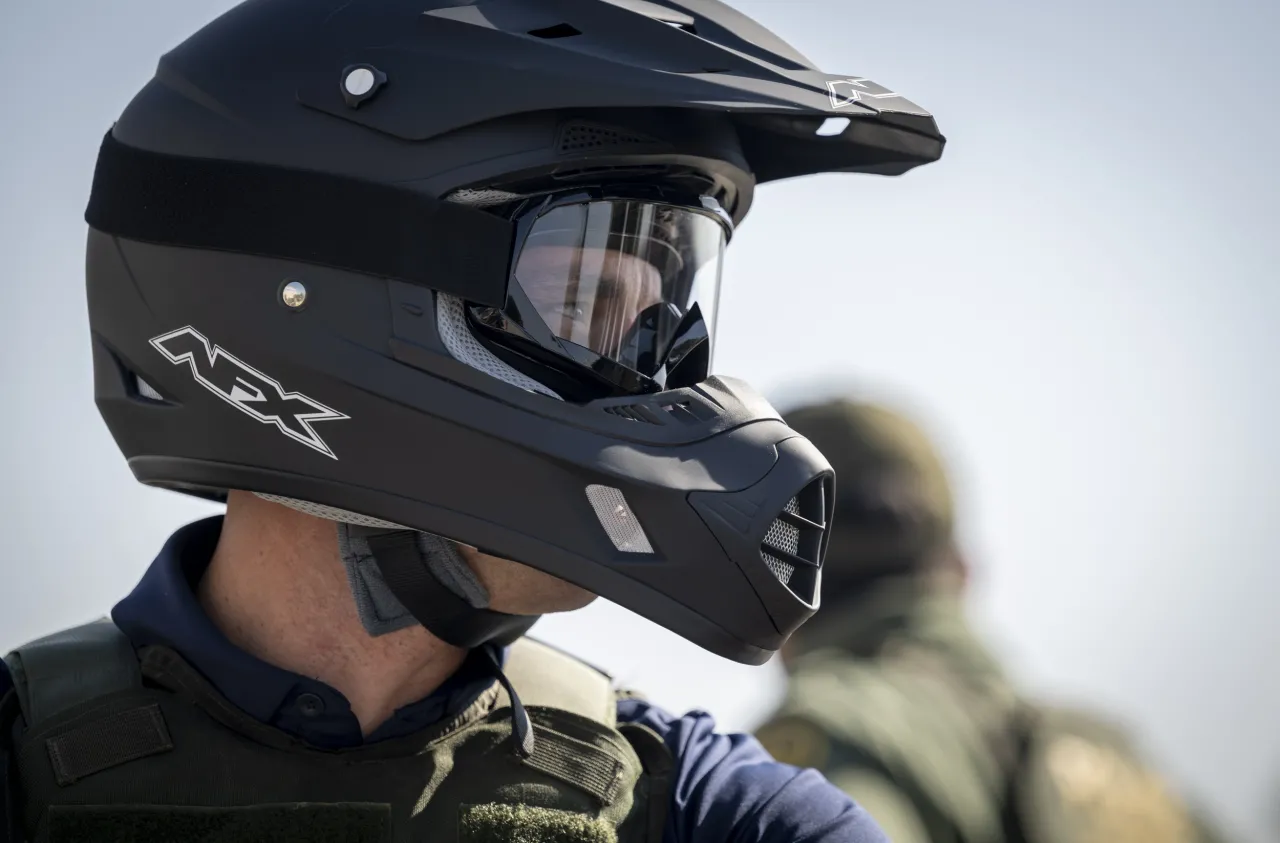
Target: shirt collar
163 610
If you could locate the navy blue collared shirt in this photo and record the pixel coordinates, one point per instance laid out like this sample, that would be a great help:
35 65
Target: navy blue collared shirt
726 788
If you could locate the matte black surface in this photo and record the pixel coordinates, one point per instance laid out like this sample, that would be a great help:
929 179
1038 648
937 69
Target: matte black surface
370 227
352 401
262 83
60 671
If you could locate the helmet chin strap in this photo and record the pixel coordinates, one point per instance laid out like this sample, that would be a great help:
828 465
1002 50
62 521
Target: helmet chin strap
401 576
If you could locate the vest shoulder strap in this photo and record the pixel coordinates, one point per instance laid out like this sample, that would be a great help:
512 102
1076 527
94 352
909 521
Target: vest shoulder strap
59 671
913 725
546 677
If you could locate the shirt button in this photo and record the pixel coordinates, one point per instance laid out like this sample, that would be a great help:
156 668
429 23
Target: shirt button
310 705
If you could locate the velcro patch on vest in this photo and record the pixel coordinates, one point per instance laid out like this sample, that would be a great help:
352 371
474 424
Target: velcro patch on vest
299 823
108 742
577 763
498 823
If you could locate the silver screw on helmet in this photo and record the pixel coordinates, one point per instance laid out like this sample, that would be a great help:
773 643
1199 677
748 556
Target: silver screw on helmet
359 81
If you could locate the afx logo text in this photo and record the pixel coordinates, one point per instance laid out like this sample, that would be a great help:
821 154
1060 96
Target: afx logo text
847 92
247 389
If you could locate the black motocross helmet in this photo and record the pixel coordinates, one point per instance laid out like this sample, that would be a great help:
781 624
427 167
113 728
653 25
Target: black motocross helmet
452 267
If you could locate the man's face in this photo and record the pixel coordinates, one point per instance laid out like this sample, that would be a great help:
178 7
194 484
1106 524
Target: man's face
518 589
589 296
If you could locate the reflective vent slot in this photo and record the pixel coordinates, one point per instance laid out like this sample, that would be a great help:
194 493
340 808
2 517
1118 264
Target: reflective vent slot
619 522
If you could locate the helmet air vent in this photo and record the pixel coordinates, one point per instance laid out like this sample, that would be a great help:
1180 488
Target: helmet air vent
560 30
580 136
792 548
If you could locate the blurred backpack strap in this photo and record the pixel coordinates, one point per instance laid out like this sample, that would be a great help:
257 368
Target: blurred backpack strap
1080 778
1024 722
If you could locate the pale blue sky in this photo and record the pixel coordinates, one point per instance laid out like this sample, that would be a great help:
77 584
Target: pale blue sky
1080 299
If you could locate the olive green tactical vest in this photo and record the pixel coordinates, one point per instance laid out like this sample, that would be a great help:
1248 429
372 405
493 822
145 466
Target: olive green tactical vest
125 747
916 721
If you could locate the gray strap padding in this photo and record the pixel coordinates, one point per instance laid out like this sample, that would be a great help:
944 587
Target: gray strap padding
445 561
54 673
379 610
548 678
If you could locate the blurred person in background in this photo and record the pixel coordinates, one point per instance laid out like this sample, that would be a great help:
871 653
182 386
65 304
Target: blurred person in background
897 701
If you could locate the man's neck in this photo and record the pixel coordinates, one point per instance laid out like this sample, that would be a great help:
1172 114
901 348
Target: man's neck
277 589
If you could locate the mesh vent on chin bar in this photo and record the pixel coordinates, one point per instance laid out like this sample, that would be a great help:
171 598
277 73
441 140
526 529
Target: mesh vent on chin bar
792 548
